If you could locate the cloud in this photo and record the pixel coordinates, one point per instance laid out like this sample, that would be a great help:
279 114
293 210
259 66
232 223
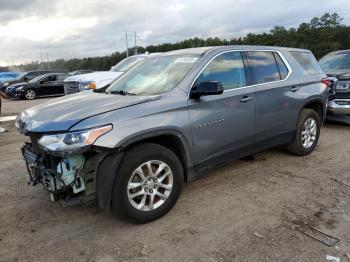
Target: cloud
67 28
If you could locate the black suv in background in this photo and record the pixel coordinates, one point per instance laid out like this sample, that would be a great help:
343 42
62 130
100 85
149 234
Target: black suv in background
43 85
337 65
27 76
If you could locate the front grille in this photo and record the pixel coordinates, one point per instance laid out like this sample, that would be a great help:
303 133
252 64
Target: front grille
71 87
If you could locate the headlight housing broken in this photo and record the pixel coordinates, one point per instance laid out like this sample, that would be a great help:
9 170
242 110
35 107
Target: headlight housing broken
73 140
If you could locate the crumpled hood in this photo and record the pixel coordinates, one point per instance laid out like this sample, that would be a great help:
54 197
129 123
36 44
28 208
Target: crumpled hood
62 113
339 73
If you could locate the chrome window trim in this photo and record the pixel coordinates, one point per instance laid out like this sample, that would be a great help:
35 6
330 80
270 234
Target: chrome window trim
249 50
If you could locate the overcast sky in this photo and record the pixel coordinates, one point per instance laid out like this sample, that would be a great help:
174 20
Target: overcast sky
80 28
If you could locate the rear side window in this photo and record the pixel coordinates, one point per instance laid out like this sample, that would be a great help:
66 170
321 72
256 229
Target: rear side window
263 66
281 66
52 78
227 68
308 62
61 77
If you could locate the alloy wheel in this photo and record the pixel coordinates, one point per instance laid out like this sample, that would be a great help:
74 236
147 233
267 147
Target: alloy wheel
30 94
309 133
150 185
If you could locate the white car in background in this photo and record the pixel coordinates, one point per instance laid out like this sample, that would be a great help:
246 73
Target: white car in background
97 80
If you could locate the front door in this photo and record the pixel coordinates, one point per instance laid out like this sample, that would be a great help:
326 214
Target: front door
223 126
48 85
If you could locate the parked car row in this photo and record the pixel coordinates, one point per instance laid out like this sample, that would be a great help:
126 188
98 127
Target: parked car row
32 84
42 85
170 118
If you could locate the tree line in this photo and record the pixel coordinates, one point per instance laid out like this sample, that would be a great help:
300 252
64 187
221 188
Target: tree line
321 35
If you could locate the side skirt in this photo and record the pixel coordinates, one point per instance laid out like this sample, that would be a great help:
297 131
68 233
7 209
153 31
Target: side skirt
202 169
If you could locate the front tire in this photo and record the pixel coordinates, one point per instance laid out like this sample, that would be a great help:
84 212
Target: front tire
307 133
148 183
29 94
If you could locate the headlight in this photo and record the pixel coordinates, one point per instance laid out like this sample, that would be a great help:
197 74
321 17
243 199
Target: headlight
89 85
73 140
6 84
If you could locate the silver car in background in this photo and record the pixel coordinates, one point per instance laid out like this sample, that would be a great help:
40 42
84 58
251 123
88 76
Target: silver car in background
99 79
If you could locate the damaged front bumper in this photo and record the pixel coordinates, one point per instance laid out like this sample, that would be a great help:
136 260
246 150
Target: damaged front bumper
67 177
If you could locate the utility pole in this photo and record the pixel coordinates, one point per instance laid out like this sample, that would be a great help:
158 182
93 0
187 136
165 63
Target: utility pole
131 35
126 43
41 60
135 44
48 60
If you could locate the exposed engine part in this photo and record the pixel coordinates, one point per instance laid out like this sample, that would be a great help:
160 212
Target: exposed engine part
67 174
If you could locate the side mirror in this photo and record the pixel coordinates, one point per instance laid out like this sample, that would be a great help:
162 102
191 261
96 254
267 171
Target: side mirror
25 79
207 88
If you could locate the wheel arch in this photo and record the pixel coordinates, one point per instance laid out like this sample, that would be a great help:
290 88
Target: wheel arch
171 139
106 175
317 105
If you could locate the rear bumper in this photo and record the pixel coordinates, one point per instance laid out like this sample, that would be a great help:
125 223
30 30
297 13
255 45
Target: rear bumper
339 106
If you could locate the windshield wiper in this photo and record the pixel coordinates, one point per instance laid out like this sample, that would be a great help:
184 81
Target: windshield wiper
102 89
124 93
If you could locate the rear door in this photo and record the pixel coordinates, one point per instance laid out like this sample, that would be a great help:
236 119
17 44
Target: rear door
274 104
223 126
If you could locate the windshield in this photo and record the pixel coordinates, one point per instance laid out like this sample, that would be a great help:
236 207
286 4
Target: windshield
336 61
154 75
20 76
127 63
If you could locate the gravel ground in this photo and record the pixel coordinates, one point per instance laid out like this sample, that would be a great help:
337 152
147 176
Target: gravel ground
246 211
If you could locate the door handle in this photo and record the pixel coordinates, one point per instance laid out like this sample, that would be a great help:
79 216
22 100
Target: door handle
245 99
294 89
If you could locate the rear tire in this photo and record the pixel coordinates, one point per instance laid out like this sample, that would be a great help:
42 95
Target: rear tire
307 133
148 183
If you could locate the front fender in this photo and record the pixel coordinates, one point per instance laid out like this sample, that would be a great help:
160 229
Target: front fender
106 175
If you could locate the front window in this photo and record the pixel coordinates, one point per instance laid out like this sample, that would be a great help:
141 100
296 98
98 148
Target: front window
227 68
336 61
154 75
35 79
127 63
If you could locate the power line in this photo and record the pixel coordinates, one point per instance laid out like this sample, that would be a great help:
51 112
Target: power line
132 37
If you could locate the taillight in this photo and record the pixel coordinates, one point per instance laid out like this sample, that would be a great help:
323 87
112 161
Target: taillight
327 82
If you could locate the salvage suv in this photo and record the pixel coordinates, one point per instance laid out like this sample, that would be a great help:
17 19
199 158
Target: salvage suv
169 119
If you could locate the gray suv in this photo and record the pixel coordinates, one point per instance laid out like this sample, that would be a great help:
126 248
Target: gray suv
130 148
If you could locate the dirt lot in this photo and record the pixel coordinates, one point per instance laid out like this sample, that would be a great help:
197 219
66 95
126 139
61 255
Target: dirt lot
246 211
